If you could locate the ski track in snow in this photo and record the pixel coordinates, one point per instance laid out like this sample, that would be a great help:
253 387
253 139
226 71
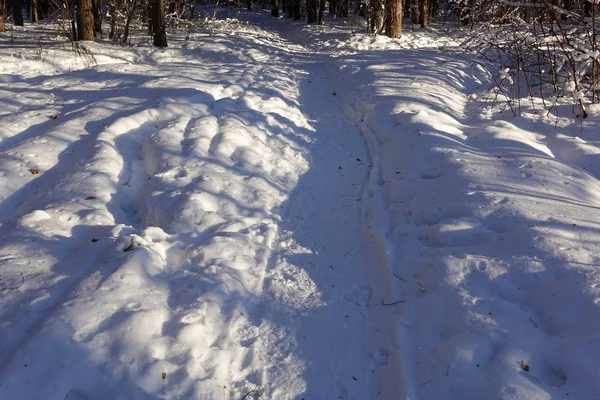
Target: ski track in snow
234 212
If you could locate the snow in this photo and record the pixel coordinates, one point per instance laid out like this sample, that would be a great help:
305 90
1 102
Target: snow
269 208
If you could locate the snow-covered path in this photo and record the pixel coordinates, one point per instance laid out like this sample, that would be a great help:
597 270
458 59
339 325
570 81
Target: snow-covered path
196 213
288 211
324 239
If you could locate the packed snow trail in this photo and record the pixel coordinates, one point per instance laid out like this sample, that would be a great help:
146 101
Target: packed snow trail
274 212
348 346
188 223
487 221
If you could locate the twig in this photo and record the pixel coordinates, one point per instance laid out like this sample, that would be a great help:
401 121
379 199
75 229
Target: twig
424 383
533 322
258 393
414 284
383 303
404 324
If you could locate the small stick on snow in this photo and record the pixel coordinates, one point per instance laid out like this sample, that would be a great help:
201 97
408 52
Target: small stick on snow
258 393
424 383
383 303
414 284
404 324
447 370
533 322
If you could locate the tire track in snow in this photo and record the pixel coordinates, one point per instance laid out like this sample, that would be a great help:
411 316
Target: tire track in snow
343 333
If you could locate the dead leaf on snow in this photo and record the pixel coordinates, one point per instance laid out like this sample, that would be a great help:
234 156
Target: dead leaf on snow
34 171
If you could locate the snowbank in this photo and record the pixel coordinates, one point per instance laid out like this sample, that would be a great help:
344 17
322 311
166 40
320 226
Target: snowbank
490 233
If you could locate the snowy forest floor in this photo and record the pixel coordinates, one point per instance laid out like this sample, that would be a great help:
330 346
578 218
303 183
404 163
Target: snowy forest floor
292 212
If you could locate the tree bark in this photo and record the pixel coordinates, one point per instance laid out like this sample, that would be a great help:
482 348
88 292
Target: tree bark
321 12
85 20
414 11
2 29
377 16
34 11
297 14
435 8
275 9
158 23
393 22
97 16
311 11
17 12
423 13
332 6
249 4
129 10
112 9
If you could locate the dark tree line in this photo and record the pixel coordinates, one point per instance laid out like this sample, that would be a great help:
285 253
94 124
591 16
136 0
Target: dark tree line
86 16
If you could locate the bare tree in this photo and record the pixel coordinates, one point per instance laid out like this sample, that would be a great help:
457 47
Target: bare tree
275 9
85 20
393 19
414 11
423 12
17 12
376 16
97 11
321 12
34 11
158 23
332 6
130 8
1 17
311 11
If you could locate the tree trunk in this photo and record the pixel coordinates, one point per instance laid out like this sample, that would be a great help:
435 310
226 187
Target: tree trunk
2 29
275 9
377 16
85 20
249 4
414 11
158 23
393 21
150 23
112 9
344 8
97 12
311 11
129 11
423 12
17 12
435 9
321 12
34 11
332 6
